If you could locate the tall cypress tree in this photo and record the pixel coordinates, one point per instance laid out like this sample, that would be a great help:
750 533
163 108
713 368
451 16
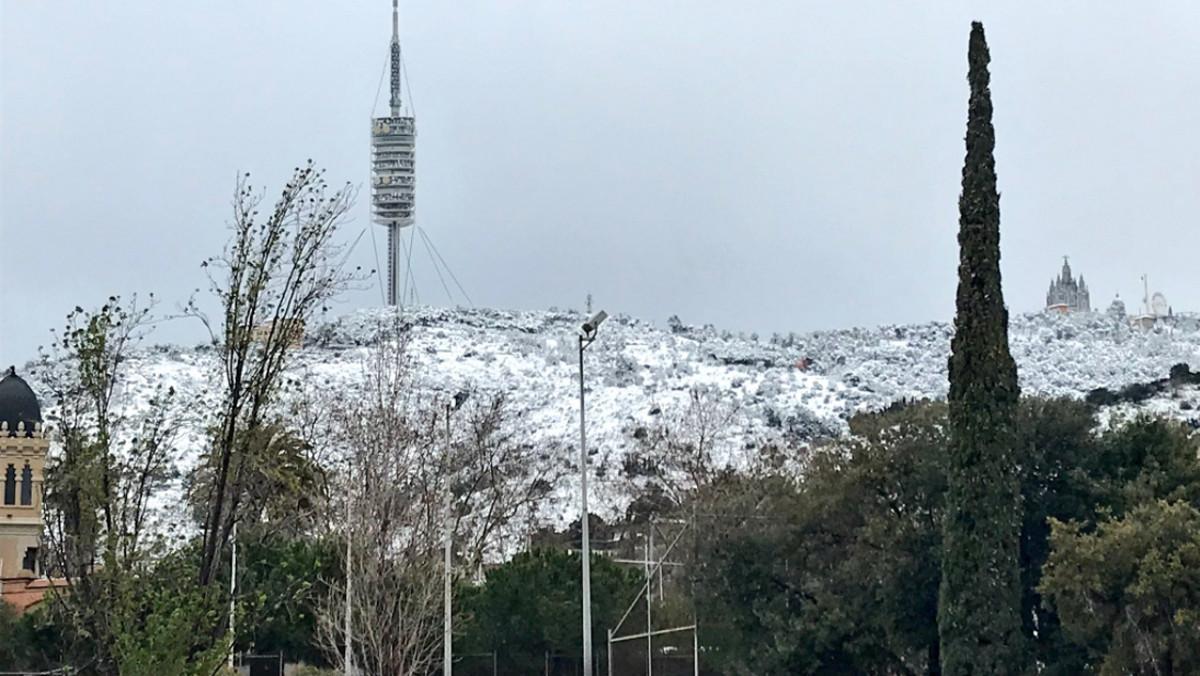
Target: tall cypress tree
979 617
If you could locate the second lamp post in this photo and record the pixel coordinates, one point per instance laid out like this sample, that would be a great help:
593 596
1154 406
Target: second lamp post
587 334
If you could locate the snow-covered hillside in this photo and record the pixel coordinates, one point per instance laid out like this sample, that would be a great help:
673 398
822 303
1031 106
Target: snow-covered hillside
790 388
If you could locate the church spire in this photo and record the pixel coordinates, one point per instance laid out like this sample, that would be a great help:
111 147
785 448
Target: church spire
1068 292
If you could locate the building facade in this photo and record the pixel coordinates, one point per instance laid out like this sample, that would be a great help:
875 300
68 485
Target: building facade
1067 294
23 447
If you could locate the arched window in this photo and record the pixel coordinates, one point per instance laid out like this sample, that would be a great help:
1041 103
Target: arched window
27 485
10 485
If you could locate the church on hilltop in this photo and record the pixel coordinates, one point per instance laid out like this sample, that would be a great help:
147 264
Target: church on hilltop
1067 294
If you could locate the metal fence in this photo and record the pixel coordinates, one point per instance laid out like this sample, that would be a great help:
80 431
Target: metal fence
496 664
260 665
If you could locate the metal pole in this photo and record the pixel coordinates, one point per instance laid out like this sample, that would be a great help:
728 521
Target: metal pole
583 510
696 649
660 573
695 610
610 652
447 639
649 581
232 591
348 657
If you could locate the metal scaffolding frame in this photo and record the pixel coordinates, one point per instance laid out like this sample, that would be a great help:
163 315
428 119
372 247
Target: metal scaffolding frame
646 592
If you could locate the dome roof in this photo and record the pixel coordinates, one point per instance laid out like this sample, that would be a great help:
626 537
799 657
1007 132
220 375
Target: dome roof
18 403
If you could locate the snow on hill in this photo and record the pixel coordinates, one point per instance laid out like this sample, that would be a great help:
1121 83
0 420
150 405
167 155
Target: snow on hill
786 389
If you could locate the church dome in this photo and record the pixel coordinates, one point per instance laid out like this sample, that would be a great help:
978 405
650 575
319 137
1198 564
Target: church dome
18 403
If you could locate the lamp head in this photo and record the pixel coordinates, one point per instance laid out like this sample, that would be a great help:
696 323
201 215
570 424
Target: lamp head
460 399
590 327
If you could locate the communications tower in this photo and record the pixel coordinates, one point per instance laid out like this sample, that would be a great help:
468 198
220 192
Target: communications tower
393 176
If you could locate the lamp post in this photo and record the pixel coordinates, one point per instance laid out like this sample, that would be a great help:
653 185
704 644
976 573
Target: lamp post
347 627
232 592
447 620
587 335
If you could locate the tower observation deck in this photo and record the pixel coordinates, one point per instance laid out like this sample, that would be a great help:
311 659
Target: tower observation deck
393 171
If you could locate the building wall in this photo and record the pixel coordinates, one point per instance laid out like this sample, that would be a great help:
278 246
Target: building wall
20 524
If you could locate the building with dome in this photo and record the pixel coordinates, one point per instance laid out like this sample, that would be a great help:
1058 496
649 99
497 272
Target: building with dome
1067 294
23 447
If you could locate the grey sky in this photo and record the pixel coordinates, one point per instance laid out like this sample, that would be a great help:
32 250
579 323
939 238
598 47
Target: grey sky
766 166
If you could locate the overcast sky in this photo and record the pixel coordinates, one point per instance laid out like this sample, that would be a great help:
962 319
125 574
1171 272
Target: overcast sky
763 166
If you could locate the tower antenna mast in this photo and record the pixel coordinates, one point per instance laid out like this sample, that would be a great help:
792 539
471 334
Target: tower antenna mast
395 100
1146 294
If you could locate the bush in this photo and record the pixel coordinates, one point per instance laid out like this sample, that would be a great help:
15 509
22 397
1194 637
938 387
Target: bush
1131 589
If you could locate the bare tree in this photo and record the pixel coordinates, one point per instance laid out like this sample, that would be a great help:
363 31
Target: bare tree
691 447
275 274
396 613
401 465
500 478
390 512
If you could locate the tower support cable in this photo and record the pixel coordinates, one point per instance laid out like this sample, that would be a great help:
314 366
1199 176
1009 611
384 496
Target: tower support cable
449 270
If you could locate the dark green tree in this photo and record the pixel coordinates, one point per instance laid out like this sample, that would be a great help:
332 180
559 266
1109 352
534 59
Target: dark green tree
1062 477
979 611
530 606
1130 591
281 580
29 642
839 571
836 573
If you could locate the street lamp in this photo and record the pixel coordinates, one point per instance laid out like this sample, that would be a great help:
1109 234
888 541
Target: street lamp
232 593
447 622
587 335
347 626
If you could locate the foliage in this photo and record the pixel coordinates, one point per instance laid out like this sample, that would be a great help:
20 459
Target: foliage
281 582
101 532
1149 459
98 487
1130 591
136 600
1136 393
1063 474
276 273
163 622
531 606
839 571
28 642
283 481
979 612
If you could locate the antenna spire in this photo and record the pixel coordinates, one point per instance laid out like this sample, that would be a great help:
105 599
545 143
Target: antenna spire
395 101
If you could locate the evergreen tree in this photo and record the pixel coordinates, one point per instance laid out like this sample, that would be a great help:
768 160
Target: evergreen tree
979 618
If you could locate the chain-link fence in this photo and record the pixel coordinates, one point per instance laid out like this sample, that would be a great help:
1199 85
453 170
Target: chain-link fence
497 664
665 652
259 665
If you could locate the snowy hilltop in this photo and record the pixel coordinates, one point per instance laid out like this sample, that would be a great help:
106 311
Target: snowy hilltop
785 390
